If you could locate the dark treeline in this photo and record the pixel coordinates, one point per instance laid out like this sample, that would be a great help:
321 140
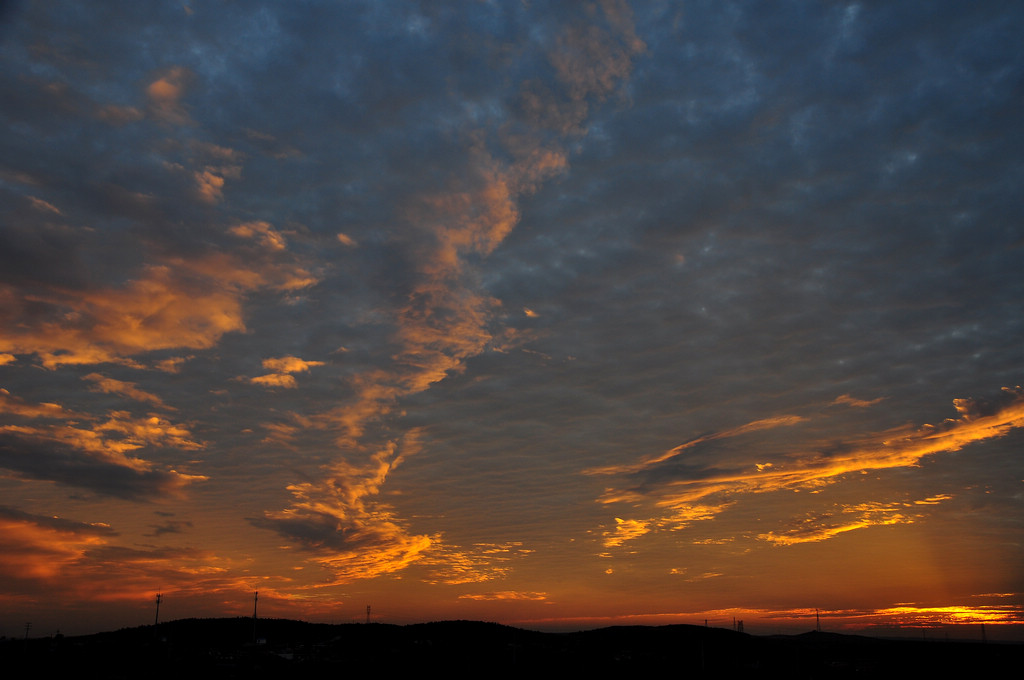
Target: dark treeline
278 648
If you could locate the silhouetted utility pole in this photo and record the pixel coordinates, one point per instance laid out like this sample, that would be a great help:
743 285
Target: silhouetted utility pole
817 618
28 627
983 633
255 598
156 621
367 613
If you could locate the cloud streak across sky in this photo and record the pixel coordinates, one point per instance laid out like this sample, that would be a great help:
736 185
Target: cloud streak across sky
514 311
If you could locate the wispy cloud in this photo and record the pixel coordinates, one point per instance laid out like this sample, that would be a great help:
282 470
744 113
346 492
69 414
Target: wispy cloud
808 468
755 426
505 595
124 389
447 318
343 521
847 400
823 526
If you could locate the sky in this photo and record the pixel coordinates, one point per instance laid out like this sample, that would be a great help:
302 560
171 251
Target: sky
555 314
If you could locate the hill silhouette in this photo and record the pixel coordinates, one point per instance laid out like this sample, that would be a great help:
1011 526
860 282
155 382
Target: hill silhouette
277 648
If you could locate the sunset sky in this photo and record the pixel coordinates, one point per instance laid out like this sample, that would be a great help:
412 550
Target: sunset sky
556 314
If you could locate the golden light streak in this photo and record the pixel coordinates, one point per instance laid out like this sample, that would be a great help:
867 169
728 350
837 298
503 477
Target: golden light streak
907 615
800 619
855 403
819 528
505 595
901 447
755 426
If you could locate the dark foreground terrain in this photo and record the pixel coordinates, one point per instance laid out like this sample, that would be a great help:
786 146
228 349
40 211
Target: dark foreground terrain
225 648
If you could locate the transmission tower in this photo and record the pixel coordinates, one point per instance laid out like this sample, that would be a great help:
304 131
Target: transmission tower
156 621
367 613
255 599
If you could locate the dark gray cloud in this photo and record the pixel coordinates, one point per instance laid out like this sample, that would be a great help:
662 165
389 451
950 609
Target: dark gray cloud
55 461
56 523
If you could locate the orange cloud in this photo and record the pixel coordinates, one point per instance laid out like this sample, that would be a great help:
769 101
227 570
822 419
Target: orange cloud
87 452
682 516
43 206
822 527
482 562
898 448
125 389
171 305
171 365
590 60
209 185
165 93
32 552
341 519
46 554
269 237
290 364
284 366
16 406
151 431
505 595
275 380
625 530
855 403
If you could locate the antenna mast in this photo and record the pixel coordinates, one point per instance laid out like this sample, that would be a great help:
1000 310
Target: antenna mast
367 613
817 618
156 621
255 599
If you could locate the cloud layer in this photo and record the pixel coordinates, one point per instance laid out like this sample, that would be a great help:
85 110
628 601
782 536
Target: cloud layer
515 311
